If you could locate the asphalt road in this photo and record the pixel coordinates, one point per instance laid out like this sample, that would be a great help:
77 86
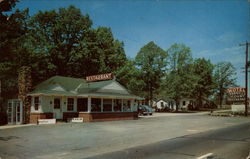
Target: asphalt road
226 143
162 135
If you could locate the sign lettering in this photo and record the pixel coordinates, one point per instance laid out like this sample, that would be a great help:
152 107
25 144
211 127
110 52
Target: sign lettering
100 77
236 94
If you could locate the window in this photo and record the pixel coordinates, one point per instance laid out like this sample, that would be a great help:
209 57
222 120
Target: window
9 112
184 103
57 103
36 103
107 105
82 104
95 104
191 102
117 105
162 104
70 104
126 105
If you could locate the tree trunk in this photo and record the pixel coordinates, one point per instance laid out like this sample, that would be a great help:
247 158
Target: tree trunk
220 98
177 105
151 94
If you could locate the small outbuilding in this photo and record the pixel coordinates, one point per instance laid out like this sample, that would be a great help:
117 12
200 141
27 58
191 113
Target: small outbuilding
165 103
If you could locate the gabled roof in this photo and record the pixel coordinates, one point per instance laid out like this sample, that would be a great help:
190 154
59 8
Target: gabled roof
79 87
92 86
68 83
165 100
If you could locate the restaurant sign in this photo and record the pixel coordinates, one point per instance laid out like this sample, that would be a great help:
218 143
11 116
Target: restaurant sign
236 94
101 77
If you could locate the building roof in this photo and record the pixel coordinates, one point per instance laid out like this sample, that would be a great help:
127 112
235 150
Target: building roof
68 83
165 100
67 86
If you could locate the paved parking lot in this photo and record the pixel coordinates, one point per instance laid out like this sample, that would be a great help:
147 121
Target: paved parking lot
83 140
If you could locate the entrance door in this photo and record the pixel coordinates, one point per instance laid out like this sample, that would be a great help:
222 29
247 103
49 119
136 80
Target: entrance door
57 108
15 111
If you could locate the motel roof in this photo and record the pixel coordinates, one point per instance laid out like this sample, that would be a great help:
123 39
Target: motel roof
68 86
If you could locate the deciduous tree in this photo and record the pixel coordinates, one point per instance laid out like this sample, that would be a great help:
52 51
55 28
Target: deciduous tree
203 84
131 77
179 80
224 75
152 60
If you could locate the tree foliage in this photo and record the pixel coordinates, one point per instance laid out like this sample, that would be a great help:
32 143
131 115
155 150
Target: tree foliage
152 60
178 82
69 46
224 75
203 84
131 77
56 42
13 52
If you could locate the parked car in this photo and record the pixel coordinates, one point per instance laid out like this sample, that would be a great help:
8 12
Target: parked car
145 110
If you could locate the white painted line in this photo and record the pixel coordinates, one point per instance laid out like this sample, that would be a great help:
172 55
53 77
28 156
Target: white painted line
205 156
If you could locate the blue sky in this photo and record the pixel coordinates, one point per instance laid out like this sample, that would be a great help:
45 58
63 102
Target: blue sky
213 29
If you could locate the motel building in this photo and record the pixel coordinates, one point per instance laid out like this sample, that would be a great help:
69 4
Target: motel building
98 98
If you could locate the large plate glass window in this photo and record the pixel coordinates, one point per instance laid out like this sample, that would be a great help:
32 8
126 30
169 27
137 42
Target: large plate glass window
117 105
95 104
82 104
126 105
107 105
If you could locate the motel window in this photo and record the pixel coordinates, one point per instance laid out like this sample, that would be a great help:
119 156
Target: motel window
126 106
184 103
36 103
95 104
117 105
57 103
70 104
107 105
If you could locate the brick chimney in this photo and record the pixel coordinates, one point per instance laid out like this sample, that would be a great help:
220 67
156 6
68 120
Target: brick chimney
24 87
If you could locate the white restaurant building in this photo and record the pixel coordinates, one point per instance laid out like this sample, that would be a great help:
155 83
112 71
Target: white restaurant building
65 97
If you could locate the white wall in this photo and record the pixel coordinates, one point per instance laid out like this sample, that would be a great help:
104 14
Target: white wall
134 105
159 106
187 102
47 104
238 108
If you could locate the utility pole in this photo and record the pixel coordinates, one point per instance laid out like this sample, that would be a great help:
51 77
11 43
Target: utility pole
246 77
